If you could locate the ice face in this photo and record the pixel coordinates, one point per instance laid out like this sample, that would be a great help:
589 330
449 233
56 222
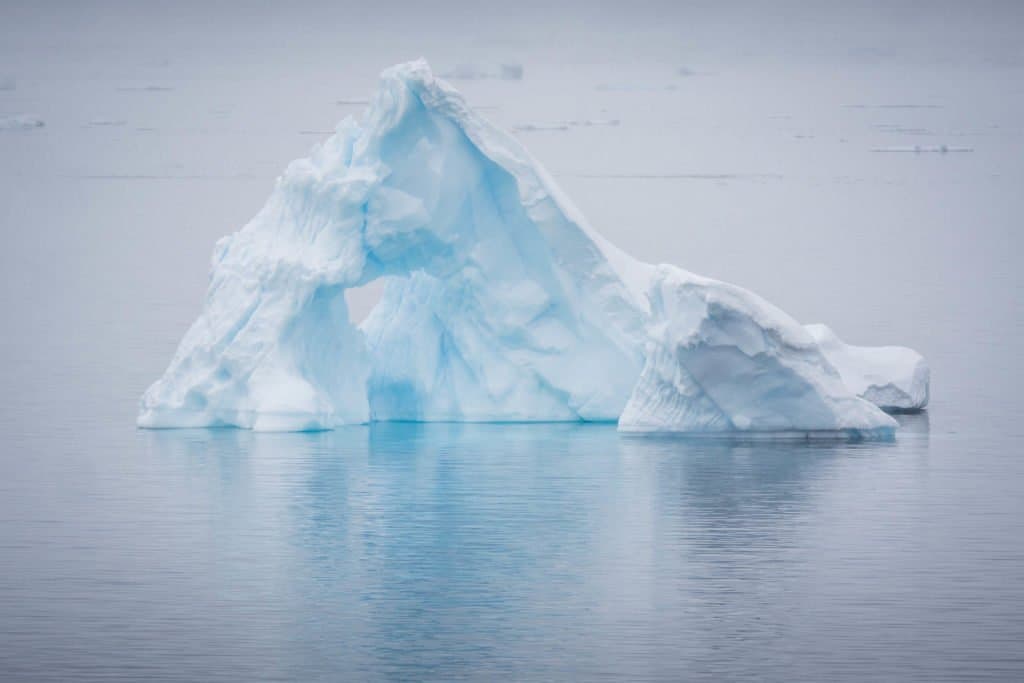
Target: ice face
894 378
503 304
723 360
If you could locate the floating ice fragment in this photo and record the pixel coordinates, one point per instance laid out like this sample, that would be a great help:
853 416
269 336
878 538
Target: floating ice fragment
145 88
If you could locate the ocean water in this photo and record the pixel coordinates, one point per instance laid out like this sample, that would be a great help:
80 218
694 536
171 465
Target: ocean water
525 552
548 552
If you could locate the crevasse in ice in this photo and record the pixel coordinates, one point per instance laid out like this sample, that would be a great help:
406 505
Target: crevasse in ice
501 304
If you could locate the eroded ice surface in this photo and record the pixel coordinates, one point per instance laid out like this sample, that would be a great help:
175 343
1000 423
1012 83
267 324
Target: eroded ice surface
502 302
722 359
894 378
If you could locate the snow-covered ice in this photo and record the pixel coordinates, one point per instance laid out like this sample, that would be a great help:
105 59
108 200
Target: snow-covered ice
502 303
721 359
894 378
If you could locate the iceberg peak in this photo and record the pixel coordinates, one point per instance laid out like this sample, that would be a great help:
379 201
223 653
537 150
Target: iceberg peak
502 303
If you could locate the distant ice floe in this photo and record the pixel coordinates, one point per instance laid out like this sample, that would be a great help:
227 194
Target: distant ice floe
352 101
909 105
564 125
919 149
689 72
585 123
900 129
8 83
163 176
145 88
535 127
21 122
681 176
634 87
468 71
111 123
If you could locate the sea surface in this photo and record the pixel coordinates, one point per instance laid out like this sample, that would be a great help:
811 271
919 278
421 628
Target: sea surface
764 149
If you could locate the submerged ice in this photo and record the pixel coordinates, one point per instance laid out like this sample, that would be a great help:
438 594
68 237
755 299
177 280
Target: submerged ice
501 304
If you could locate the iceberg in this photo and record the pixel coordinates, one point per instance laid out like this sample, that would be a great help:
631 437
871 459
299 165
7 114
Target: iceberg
501 302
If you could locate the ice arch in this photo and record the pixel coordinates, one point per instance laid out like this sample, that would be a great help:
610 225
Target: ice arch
502 302
498 307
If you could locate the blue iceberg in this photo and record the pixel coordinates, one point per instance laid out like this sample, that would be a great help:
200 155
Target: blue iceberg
501 303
